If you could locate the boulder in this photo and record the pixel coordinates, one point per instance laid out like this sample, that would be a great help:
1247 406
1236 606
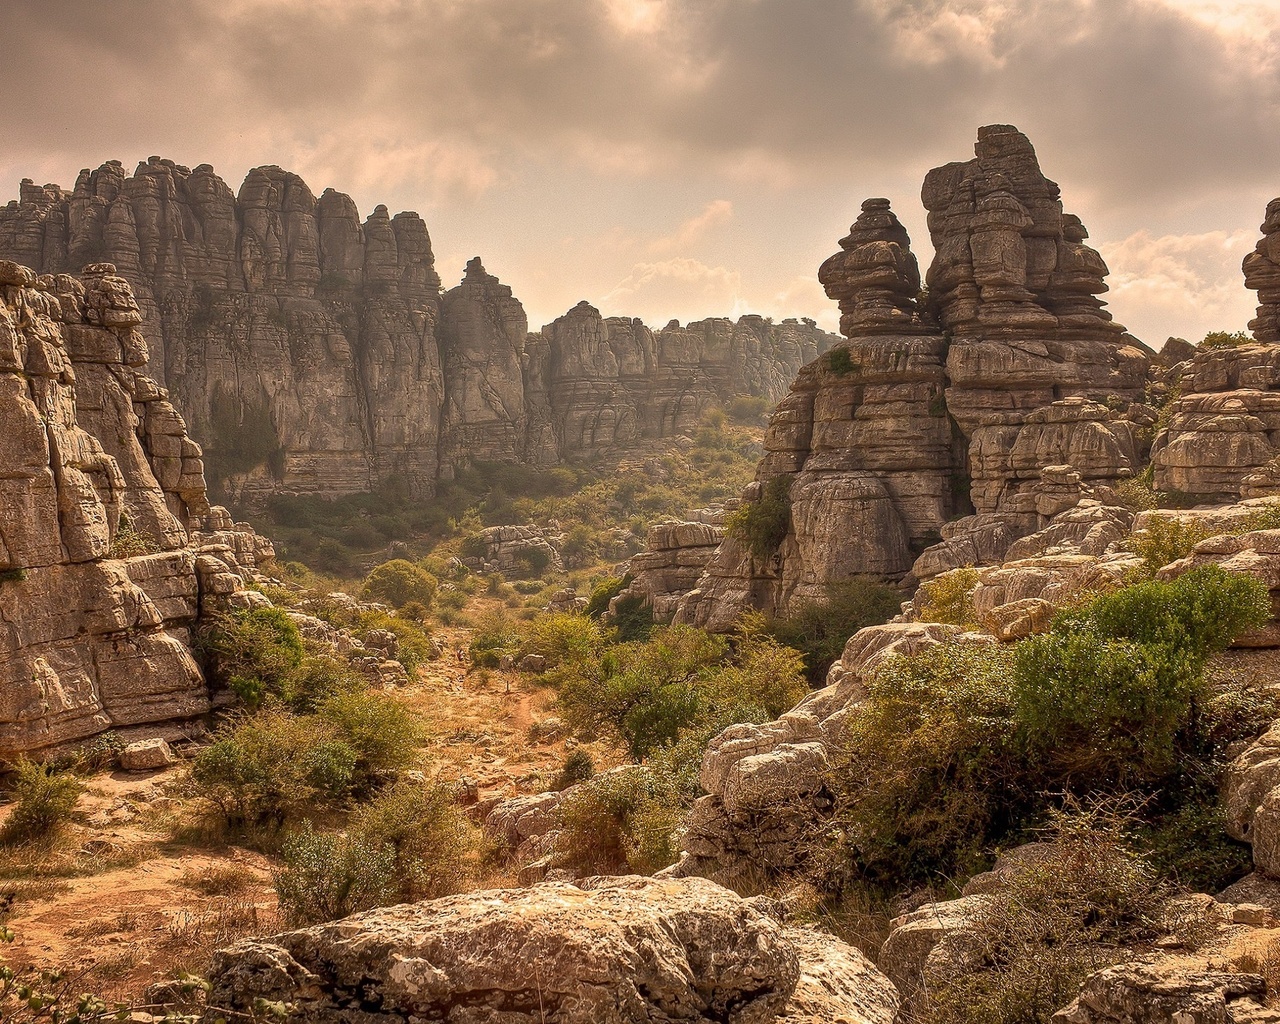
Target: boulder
615 950
146 756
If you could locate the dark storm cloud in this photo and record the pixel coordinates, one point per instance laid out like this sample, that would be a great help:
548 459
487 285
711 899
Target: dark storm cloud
1137 97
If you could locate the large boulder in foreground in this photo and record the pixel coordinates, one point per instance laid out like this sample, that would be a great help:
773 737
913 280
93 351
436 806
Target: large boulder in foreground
606 951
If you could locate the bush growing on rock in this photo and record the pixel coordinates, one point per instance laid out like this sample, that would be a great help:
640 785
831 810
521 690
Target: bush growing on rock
959 747
949 598
819 629
763 524
414 646
253 651
44 801
400 581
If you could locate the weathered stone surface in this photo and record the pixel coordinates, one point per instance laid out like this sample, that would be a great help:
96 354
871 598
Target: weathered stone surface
1141 993
146 756
517 550
837 984
1262 274
616 951
313 352
919 940
1011 395
89 642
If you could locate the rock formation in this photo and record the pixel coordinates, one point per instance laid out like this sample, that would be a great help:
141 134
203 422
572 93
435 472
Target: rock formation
1008 393
1223 437
613 951
90 639
314 353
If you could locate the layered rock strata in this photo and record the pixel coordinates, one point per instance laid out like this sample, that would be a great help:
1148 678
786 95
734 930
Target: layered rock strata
1009 389
97 465
1222 441
314 352
612 951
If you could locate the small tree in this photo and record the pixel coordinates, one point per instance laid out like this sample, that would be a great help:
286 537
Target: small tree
763 524
398 582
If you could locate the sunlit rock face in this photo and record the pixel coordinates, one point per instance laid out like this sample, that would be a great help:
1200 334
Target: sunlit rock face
1003 391
314 352
92 638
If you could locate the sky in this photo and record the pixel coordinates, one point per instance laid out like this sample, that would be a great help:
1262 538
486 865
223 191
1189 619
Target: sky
684 158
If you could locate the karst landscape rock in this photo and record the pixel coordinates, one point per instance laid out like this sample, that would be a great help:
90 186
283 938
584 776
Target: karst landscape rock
313 352
978 437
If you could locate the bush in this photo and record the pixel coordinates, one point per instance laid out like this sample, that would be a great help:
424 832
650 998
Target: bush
765 679
949 598
1166 540
253 651
44 801
1223 339
409 844
496 635
622 822
414 644
565 636
819 629
763 524
398 582
751 410
643 692
1104 696
129 541
604 592
315 681
379 730
578 767
1082 906
264 769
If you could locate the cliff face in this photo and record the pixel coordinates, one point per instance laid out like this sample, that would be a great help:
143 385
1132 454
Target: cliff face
1223 437
1007 393
314 352
89 641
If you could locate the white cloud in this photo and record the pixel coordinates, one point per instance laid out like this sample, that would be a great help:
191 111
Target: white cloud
715 213
680 288
1180 285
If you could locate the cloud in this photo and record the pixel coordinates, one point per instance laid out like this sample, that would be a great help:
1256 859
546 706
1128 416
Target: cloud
679 288
715 213
1183 285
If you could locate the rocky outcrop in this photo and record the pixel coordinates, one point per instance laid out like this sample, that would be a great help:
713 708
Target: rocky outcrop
676 554
313 352
109 549
1007 390
515 550
613 951
1141 993
1223 437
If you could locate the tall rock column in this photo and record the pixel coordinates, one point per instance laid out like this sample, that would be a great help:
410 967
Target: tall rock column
1223 438
482 344
863 442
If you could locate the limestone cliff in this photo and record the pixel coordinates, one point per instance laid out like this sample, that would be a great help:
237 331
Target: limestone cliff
91 641
1007 392
1223 437
314 352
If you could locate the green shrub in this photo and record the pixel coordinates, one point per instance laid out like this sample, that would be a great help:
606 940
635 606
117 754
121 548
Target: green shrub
262 770
621 822
840 362
414 644
1104 696
604 592
44 802
577 767
1223 339
496 635
949 598
931 769
565 636
253 651
410 843
819 629
1080 907
633 618
645 693
1166 540
129 541
381 732
751 410
398 582
328 875
763 524
764 679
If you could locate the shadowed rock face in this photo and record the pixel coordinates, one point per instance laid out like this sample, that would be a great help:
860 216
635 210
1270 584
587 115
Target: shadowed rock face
90 641
1007 380
314 352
